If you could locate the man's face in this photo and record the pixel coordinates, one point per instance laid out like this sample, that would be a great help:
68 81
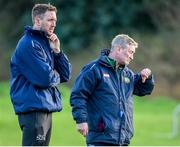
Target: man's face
124 56
48 22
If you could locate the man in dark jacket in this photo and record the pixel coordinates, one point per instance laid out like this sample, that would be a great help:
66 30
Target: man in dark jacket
37 67
102 96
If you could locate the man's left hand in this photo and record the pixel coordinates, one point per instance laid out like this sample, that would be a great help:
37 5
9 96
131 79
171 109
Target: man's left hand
145 73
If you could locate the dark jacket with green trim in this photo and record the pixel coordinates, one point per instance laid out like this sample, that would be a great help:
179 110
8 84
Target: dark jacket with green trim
102 96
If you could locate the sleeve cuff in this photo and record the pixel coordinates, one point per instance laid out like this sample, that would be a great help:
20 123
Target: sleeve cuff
58 54
78 121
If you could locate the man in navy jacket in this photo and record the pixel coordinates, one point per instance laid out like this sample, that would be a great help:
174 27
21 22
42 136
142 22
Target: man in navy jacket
102 96
37 67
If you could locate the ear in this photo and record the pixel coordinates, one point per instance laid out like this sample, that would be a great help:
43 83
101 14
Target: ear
37 21
118 48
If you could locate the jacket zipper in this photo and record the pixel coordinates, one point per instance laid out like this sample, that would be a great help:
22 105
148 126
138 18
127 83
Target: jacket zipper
120 103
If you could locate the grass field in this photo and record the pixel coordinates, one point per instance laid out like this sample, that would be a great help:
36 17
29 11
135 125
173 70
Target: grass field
152 121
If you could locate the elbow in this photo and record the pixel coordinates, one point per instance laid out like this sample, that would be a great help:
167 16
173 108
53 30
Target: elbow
146 91
50 80
65 78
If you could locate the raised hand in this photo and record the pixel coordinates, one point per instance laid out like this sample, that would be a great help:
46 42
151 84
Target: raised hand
145 73
54 43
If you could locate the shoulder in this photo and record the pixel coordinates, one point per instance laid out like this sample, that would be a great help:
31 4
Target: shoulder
29 42
29 46
92 68
24 42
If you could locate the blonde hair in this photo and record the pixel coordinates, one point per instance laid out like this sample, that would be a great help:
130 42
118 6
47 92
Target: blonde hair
124 41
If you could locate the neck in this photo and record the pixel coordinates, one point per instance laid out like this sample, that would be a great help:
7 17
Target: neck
113 56
35 27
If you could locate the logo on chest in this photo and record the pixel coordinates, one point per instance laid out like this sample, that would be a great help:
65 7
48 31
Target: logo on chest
106 75
126 80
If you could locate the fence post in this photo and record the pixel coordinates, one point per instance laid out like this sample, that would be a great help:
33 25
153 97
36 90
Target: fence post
175 121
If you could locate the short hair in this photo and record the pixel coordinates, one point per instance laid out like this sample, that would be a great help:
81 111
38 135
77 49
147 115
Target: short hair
123 40
40 10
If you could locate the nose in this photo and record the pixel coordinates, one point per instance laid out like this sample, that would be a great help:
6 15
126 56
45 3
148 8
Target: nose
54 23
131 56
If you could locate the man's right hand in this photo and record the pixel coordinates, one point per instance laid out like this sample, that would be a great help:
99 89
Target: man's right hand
83 128
54 43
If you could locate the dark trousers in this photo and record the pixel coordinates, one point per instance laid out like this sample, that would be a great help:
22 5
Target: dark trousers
36 128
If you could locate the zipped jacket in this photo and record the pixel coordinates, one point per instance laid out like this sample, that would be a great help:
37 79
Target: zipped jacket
102 96
36 72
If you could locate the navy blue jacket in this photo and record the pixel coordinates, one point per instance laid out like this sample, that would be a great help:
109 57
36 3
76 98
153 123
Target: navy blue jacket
35 73
103 97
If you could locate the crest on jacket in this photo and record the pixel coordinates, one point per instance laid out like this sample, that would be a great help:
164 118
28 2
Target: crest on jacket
126 80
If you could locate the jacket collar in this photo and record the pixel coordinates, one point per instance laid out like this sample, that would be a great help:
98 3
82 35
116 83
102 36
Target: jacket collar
108 62
29 29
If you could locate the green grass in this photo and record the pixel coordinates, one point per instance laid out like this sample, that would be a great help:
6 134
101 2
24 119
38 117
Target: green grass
152 120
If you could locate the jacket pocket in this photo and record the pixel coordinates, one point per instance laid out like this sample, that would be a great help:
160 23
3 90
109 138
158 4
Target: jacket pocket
101 125
96 123
111 125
